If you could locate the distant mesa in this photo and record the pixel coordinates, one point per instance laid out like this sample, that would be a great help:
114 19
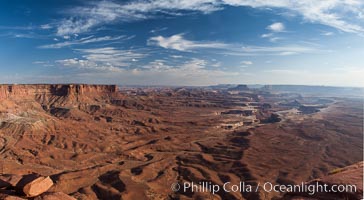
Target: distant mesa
294 103
239 88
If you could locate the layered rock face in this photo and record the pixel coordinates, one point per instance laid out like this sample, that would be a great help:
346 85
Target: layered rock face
31 91
54 95
26 107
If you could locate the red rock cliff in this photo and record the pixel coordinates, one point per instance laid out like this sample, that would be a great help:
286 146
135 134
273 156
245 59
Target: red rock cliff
34 90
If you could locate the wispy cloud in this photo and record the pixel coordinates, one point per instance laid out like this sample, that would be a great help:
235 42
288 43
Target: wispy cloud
344 15
88 65
43 63
46 26
177 42
176 56
267 35
17 27
111 55
272 50
192 71
246 62
102 59
326 33
271 37
82 19
340 14
158 30
81 41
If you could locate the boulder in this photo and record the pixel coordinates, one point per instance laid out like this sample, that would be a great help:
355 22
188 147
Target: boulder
33 185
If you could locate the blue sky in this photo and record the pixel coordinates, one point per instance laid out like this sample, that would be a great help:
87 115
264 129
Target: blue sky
183 42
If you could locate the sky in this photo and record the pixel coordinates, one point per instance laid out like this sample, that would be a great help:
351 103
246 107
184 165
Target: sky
183 42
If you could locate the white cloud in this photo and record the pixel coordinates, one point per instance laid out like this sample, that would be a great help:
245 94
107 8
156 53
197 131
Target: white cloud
271 37
176 56
177 42
85 40
267 35
275 39
157 65
30 36
345 15
46 26
327 33
276 27
158 30
246 62
287 53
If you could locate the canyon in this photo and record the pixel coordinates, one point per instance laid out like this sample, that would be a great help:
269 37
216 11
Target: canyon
110 142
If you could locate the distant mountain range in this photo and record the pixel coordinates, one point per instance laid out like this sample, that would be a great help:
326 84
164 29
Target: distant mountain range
302 89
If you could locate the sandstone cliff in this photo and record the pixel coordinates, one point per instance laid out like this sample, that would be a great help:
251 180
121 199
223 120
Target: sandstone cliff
31 91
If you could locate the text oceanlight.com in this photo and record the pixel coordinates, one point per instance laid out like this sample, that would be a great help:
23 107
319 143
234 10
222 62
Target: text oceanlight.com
267 187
